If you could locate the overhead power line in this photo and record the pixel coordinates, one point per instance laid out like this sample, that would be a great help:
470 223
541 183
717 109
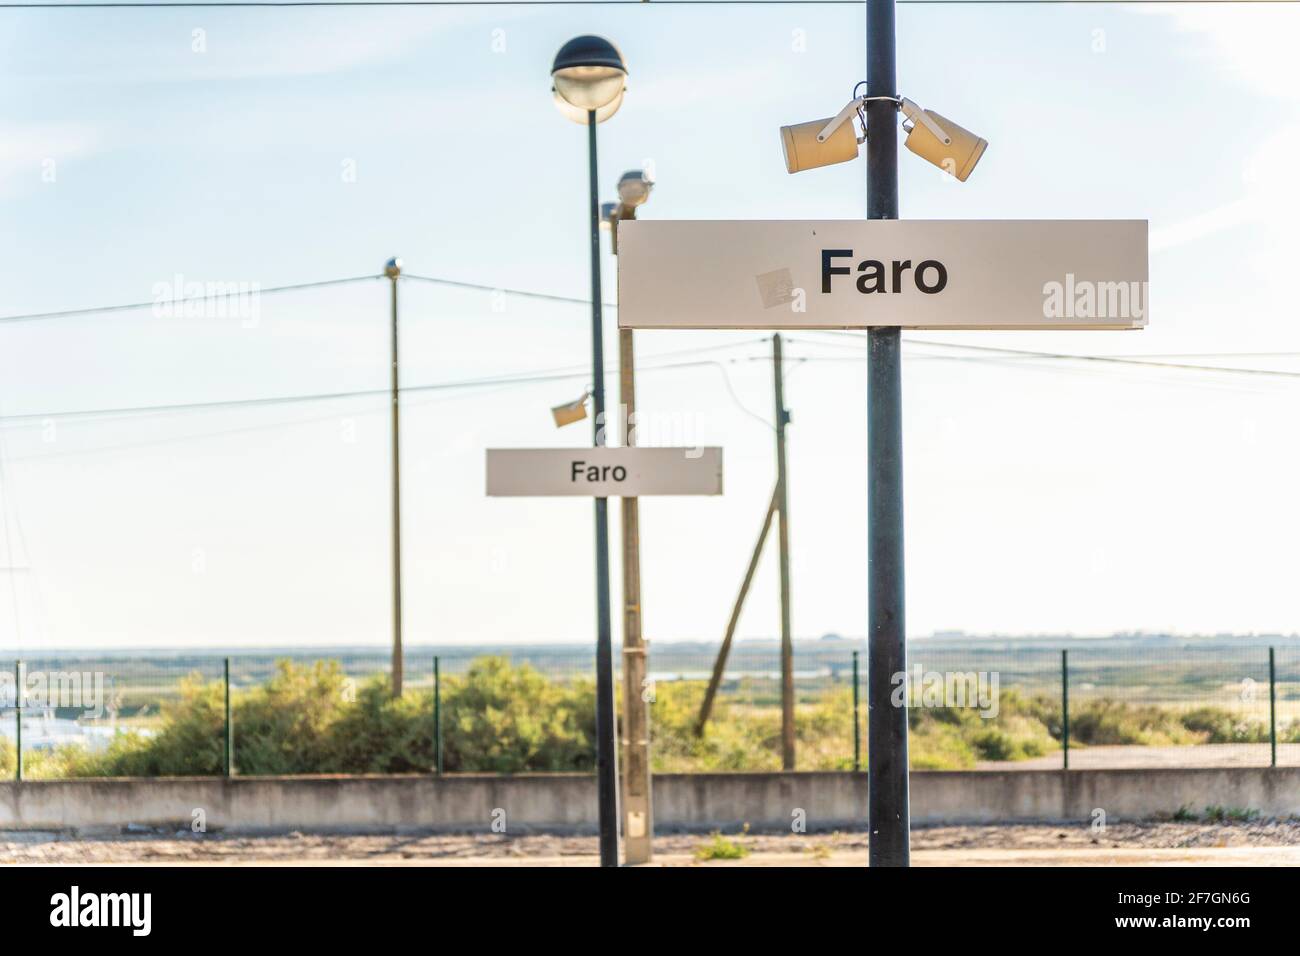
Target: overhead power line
1111 359
1116 360
524 378
498 290
183 300
1152 361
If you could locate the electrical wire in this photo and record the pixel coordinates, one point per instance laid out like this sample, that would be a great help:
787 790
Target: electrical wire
1134 360
171 303
1069 356
545 375
522 293
266 426
296 287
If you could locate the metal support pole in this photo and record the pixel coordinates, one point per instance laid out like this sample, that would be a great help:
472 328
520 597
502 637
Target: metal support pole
606 749
783 546
887 782
19 689
638 819
637 805
230 729
857 719
396 478
1272 710
1065 710
437 717
720 665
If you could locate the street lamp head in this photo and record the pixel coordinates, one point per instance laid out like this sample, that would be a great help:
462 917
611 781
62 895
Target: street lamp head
393 267
571 112
589 74
634 187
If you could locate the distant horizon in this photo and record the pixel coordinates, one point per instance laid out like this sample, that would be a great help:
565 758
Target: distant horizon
409 650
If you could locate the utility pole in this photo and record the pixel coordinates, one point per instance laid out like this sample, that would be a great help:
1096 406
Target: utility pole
638 816
887 784
638 821
393 269
783 545
720 662
779 507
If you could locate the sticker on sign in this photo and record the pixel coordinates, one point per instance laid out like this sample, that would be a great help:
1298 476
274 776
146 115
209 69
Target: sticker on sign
628 472
857 274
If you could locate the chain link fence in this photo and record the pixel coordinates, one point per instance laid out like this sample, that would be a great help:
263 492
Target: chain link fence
972 704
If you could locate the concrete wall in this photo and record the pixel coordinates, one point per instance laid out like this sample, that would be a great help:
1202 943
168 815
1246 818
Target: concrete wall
567 802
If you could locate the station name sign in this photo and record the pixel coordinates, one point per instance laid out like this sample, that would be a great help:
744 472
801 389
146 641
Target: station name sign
856 274
628 472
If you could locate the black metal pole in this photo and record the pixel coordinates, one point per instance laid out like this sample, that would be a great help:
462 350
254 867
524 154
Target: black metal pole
857 718
229 748
1272 710
1065 710
887 796
606 751
437 717
20 690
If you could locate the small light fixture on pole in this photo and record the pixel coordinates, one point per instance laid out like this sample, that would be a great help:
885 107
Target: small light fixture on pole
393 269
634 188
589 78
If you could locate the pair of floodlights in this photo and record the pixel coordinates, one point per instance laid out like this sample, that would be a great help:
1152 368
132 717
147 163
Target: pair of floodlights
833 140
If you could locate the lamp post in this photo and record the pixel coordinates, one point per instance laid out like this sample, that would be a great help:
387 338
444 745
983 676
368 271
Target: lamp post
589 76
393 269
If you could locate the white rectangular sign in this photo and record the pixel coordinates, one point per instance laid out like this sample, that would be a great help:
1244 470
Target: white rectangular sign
855 274
604 472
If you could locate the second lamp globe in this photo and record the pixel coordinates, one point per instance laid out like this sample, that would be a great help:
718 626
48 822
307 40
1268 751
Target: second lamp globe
589 75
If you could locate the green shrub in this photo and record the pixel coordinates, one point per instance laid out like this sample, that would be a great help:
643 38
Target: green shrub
499 717
1218 726
721 848
504 719
1105 721
1219 814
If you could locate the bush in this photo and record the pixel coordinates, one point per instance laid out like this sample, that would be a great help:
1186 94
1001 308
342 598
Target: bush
721 848
506 719
1106 721
502 718
380 734
1217 726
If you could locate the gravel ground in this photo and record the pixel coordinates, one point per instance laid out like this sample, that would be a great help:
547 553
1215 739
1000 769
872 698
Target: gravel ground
944 842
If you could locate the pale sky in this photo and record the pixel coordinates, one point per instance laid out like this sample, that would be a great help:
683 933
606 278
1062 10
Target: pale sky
1042 496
